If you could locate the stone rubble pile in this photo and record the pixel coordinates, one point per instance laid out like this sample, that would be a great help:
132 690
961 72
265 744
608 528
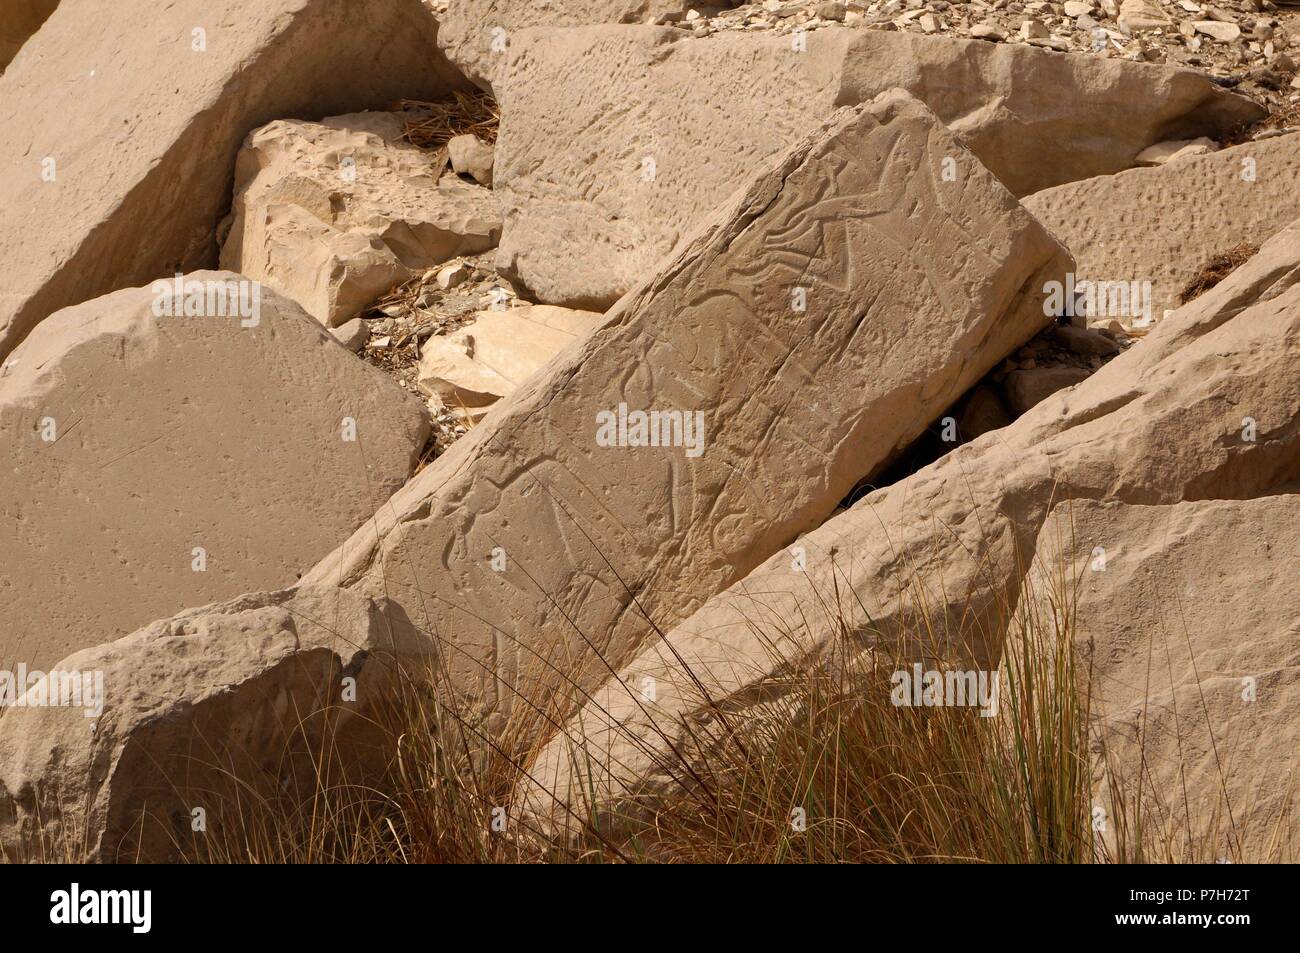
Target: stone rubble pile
1251 44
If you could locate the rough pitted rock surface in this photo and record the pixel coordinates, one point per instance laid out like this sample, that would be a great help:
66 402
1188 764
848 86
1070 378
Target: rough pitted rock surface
1161 225
598 182
476 34
116 175
944 550
132 441
815 270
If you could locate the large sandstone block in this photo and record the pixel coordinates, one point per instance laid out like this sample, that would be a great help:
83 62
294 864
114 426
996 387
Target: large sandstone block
1189 631
599 180
204 710
335 213
1206 407
154 463
116 175
815 326
21 19
1161 225
476 34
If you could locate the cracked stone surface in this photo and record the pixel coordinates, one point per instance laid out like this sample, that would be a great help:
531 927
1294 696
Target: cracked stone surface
1160 225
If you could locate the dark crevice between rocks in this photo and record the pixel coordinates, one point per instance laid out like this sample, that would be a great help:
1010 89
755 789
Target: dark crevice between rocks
1058 357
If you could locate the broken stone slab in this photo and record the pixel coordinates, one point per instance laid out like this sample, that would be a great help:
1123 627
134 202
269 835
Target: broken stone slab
22 18
248 698
831 10
985 31
470 155
1206 206
1025 388
1033 29
1136 16
634 478
1208 406
982 410
333 214
453 275
128 184
1085 341
1223 32
599 181
477 35
1176 149
1185 617
353 334
475 366
333 274
161 460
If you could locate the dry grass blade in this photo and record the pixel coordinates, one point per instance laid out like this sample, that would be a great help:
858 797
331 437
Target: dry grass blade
435 124
827 764
1216 269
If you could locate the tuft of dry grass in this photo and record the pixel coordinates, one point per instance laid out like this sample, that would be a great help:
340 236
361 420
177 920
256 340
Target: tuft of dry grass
433 125
831 769
1216 269
827 767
